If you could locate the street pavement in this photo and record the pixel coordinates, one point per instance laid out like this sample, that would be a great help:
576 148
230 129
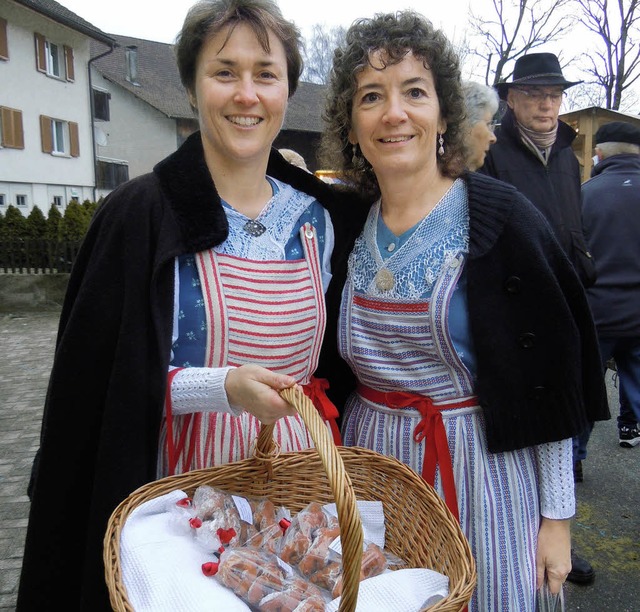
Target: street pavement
606 530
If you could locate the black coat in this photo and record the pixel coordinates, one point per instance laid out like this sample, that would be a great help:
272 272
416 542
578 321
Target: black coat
553 189
539 375
105 399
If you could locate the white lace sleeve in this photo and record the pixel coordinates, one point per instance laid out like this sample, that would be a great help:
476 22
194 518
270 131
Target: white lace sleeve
201 390
557 489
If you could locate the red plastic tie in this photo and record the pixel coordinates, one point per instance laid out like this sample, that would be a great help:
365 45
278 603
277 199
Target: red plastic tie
226 535
210 568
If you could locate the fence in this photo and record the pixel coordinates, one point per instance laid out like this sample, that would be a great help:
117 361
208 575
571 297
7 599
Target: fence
30 256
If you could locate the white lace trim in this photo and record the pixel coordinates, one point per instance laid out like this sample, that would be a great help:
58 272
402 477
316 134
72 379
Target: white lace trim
435 242
555 474
279 216
201 390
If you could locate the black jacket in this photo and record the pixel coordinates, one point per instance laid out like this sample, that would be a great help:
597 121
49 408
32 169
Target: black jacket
539 375
553 189
105 399
611 217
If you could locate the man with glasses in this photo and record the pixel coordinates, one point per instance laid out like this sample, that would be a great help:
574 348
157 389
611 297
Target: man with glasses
533 152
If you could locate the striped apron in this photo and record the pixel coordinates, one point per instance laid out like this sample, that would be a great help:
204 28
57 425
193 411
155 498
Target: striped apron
270 313
402 349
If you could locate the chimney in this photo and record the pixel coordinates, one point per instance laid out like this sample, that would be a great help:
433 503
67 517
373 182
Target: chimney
131 56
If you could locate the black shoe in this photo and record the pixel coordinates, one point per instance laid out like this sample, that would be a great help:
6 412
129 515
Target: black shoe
577 472
581 570
628 436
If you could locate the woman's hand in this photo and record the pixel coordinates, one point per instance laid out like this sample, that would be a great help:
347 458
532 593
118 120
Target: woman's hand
553 557
255 389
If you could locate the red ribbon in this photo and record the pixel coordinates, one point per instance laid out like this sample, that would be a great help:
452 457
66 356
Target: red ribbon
315 391
431 428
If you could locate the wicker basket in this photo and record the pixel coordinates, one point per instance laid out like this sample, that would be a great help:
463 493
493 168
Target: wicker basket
418 526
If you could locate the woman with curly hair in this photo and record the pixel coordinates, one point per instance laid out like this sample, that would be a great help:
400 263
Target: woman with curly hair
465 325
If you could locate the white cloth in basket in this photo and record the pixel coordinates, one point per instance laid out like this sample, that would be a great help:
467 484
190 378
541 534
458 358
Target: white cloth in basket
161 568
405 590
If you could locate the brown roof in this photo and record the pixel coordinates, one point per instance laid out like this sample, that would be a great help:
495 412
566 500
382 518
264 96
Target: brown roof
159 85
63 15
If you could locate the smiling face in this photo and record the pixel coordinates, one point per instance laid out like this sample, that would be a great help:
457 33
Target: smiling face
396 116
481 137
536 107
241 95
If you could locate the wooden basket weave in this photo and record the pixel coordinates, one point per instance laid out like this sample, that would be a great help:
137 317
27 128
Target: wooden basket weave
418 526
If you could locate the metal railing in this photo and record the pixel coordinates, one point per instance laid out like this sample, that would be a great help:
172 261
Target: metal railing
37 256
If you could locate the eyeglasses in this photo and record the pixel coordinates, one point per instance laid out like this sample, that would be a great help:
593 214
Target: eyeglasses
538 95
492 125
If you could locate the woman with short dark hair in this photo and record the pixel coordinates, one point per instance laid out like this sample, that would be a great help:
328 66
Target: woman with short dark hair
198 294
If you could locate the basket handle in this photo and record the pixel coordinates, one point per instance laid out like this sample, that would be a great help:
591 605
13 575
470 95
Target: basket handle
348 516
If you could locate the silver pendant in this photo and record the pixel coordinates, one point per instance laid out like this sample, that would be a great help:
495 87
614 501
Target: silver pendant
385 280
254 228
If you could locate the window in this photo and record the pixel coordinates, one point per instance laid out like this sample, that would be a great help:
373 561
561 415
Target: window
59 137
54 59
4 41
101 104
57 200
21 200
111 174
2 199
11 133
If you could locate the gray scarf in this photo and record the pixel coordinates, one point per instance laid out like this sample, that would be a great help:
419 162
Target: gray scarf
540 143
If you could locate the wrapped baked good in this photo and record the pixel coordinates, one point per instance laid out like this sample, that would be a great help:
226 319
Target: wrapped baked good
300 534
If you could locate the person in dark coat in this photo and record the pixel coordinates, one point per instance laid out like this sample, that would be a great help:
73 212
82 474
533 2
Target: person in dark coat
611 217
533 152
134 344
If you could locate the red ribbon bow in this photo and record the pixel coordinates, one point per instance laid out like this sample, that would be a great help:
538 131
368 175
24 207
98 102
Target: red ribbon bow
431 430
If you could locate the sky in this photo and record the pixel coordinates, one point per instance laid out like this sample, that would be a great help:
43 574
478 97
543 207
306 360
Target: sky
161 21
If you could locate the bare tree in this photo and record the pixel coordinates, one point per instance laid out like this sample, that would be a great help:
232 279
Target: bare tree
515 28
615 65
319 52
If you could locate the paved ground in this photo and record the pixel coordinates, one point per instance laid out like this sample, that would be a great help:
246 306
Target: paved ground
606 530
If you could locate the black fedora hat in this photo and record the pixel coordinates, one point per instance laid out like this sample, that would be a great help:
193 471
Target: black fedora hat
536 69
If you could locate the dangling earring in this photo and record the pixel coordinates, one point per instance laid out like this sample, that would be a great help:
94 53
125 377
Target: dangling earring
354 154
441 143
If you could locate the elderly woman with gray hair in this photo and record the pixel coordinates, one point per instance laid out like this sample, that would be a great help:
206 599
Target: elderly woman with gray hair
482 103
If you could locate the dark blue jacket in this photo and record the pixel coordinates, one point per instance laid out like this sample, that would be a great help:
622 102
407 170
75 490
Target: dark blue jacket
553 189
611 218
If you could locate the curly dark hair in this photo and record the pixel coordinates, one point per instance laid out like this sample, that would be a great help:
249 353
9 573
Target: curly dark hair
397 34
208 17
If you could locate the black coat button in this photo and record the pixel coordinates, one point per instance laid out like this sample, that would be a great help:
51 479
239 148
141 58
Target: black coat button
513 285
527 340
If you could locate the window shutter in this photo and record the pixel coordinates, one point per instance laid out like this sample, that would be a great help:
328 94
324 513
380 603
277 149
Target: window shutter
4 42
74 141
68 59
41 53
12 132
45 134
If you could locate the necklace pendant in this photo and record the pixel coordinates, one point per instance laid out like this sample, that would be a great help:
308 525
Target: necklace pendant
385 280
254 228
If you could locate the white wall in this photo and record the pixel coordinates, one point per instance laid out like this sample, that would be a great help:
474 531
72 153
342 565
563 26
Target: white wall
136 132
30 171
